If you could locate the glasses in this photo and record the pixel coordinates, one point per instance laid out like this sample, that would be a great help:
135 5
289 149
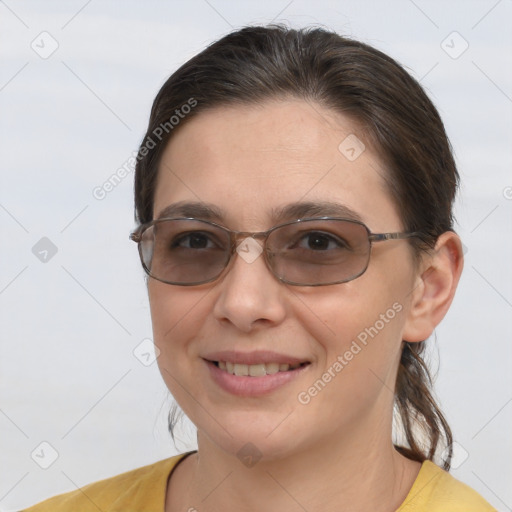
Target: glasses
305 252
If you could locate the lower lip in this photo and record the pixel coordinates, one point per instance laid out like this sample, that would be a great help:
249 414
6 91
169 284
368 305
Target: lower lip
252 386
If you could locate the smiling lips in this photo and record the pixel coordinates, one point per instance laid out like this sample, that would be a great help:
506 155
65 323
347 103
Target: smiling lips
253 374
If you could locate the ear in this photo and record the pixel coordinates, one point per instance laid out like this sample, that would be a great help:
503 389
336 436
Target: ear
434 287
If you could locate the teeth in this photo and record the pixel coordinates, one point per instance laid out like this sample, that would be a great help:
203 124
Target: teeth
241 369
272 368
255 370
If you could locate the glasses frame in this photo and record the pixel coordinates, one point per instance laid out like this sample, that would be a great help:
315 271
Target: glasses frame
236 236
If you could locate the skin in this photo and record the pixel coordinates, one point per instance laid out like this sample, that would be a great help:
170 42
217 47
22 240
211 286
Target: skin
337 449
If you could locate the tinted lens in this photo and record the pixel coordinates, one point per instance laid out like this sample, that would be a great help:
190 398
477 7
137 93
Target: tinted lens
184 251
316 252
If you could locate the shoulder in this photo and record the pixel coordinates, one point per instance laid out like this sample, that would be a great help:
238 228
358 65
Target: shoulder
135 490
436 490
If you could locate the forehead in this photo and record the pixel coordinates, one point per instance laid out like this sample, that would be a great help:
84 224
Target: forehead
252 160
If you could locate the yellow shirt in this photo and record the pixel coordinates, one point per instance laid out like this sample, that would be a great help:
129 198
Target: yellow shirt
144 490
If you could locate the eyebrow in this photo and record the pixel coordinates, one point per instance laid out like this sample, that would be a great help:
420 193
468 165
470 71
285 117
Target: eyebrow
292 211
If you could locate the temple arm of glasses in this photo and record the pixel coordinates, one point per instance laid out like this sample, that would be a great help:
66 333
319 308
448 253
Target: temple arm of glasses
380 237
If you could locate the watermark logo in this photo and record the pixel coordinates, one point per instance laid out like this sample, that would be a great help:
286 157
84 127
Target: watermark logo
459 456
454 45
44 250
351 147
249 455
45 45
249 249
44 455
146 352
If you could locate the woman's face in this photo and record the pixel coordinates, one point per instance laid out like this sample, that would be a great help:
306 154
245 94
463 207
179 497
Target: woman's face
248 162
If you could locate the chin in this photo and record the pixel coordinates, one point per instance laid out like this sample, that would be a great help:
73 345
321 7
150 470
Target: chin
255 434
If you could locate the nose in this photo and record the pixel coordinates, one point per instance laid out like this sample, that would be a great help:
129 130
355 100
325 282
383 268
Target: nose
250 295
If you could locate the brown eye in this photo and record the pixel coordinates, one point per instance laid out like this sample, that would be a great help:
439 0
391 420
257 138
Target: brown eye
195 240
317 241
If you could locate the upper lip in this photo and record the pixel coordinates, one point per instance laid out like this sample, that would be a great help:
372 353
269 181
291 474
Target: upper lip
256 357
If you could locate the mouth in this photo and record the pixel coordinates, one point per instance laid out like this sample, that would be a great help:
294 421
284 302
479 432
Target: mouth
257 370
256 373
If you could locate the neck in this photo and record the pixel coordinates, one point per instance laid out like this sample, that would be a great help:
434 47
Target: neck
362 471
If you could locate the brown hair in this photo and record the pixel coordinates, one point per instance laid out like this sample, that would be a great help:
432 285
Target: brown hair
259 63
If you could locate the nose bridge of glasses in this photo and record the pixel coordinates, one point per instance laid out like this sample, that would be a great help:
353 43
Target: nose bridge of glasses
238 237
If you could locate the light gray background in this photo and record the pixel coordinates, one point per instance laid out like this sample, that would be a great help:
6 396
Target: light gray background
70 325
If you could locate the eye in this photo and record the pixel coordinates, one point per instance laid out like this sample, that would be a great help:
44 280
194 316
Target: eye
195 240
320 241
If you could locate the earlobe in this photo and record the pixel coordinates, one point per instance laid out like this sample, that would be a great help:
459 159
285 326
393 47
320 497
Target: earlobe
434 288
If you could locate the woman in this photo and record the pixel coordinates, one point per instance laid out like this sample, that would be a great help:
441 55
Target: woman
294 192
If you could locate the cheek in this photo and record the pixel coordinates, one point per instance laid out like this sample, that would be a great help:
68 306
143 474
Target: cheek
176 314
348 312
358 327
359 337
